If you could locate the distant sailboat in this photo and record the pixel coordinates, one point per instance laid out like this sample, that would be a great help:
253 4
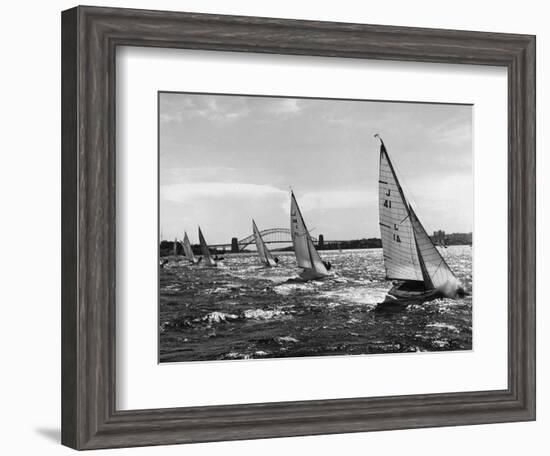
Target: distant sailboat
187 250
410 256
306 254
265 255
207 258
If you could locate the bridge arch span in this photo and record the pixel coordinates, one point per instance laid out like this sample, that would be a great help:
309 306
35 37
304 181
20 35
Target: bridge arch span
270 236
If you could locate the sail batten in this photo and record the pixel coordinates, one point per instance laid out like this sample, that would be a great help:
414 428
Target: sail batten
306 254
265 255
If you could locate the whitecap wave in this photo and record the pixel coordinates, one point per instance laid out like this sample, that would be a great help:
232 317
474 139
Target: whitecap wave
355 296
259 314
283 339
236 355
440 343
442 326
287 288
219 317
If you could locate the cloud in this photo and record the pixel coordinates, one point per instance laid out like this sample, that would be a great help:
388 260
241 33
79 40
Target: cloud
225 112
284 106
222 109
214 108
324 149
189 193
443 202
456 130
197 174
335 199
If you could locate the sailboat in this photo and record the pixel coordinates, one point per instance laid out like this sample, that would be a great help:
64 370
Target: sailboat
206 257
265 255
410 257
306 255
187 250
175 247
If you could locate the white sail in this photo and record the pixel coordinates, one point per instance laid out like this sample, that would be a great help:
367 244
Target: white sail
409 253
175 247
398 243
187 250
306 254
439 275
207 258
263 252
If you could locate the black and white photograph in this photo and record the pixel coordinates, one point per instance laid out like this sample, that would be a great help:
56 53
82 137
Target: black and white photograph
275 228
293 227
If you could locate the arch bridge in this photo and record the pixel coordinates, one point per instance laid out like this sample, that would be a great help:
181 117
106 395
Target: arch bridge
270 236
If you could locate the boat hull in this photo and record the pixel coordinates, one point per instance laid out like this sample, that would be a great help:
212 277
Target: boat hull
311 274
404 294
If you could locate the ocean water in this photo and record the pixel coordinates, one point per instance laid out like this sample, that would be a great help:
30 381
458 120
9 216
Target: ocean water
243 310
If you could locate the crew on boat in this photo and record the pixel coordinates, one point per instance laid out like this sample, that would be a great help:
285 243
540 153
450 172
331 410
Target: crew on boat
327 264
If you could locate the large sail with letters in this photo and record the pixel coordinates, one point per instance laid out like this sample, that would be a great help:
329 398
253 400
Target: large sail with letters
398 242
265 255
187 250
207 258
306 255
409 253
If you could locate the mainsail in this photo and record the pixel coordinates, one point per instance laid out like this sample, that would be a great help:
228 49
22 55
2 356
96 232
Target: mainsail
306 254
187 250
409 253
207 258
264 254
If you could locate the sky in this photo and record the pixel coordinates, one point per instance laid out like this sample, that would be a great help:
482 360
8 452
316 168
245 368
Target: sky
225 159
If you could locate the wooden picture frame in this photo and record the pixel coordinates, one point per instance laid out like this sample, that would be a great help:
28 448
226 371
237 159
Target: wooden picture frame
90 36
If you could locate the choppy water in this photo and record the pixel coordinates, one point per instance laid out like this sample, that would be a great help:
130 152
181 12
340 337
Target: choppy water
242 310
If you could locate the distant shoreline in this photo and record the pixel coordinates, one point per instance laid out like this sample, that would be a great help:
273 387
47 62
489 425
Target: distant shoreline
166 251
